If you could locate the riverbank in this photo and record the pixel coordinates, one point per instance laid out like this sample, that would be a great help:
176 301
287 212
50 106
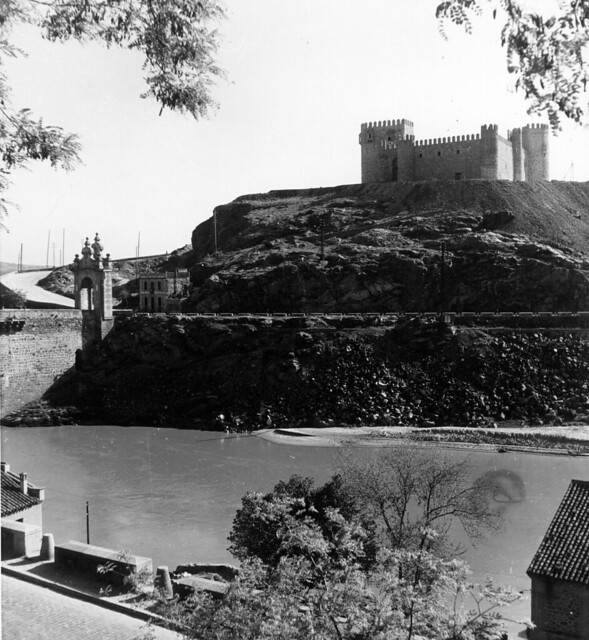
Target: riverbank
561 440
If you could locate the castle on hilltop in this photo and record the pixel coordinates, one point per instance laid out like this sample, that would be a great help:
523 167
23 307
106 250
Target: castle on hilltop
390 153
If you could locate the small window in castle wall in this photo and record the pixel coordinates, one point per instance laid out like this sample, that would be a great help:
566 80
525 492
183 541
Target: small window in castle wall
439 153
421 155
457 151
457 176
369 138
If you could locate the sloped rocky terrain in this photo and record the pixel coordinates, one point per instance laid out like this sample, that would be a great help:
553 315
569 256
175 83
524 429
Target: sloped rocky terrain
250 373
461 246
508 246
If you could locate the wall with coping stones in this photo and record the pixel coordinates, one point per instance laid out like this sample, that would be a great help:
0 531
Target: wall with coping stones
36 347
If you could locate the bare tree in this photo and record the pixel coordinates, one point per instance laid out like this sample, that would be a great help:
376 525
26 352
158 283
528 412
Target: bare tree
413 497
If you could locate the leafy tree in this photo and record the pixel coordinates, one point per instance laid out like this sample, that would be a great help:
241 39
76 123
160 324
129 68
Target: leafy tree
549 55
263 520
399 498
406 595
176 37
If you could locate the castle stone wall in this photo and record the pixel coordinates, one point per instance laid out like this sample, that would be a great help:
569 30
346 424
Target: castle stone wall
448 158
504 159
36 347
390 153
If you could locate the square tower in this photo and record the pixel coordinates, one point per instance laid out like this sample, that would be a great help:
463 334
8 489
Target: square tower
378 141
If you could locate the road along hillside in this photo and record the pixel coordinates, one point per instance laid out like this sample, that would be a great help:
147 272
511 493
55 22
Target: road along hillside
26 283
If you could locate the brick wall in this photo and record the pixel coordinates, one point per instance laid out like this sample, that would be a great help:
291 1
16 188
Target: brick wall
36 346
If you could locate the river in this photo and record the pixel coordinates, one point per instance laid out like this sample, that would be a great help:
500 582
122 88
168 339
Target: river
172 494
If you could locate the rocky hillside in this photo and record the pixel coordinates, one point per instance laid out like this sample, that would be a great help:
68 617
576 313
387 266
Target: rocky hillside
508 246
248 373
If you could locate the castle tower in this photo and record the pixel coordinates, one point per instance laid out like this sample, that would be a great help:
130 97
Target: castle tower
379 149
535 142
93 292
519 169
489 152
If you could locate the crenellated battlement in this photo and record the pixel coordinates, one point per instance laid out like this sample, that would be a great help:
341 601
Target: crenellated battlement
433 142
537 125
390 152
386 123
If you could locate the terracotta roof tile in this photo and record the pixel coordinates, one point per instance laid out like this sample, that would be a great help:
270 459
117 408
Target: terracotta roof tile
564 552
12 498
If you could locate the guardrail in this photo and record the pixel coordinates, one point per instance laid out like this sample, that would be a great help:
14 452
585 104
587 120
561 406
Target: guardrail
372 314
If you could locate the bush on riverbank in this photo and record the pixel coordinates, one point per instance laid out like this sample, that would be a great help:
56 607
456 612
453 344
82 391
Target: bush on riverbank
480 436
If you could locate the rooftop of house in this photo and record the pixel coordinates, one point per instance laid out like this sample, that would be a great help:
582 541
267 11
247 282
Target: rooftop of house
564 552
17 493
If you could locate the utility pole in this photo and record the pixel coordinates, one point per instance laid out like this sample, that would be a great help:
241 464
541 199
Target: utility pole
215 228
443 280
62 261
48 241
53 247
87 523
20 259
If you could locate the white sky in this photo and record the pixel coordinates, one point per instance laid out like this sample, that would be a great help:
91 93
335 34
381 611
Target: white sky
302 77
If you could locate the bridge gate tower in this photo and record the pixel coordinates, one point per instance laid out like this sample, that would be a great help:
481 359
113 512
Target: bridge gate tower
93 293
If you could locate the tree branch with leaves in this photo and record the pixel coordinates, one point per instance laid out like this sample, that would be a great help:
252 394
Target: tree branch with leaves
547 53
179 42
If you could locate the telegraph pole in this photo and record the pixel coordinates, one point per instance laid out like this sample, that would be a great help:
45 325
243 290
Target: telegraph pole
48 241
443 280
87 523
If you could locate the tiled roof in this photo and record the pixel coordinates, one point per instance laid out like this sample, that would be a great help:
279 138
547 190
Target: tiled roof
13 499
564 551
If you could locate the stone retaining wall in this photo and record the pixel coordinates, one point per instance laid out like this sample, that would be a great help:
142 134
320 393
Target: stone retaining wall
36 347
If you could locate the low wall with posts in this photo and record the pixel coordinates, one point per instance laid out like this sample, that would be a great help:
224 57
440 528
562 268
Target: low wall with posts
36 347
86 558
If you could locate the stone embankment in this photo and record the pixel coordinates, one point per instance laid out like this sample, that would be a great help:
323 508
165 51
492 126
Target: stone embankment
250 373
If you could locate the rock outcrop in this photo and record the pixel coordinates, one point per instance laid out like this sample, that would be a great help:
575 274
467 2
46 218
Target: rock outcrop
508 246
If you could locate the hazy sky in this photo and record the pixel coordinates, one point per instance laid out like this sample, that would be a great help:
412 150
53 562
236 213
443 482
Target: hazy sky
302 77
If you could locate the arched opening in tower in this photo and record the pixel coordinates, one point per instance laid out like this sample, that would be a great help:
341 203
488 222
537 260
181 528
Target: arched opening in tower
87 294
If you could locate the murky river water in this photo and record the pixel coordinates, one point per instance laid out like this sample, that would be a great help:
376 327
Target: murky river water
171 495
